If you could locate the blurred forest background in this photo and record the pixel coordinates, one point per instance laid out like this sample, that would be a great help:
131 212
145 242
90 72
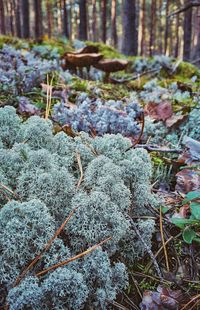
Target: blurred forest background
135 27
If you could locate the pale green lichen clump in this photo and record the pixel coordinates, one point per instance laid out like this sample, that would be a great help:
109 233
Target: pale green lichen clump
42 171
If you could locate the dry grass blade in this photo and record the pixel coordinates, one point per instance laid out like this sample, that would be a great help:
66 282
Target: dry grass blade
72 258
189 303
78 156
49 96
38 257
140 136
163 241
9 190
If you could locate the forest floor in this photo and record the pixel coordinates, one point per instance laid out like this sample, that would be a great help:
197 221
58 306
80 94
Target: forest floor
168 127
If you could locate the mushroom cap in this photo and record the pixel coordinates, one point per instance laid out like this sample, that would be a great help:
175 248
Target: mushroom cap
83 60
87 50
111 65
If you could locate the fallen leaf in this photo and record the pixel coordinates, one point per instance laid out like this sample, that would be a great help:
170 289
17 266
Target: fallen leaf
175 120
187 180
161 111
162 299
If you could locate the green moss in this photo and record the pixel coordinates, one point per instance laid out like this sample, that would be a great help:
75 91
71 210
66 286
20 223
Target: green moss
16 42
106 50
187 70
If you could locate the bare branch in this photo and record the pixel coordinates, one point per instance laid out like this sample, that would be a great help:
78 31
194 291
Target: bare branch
185 8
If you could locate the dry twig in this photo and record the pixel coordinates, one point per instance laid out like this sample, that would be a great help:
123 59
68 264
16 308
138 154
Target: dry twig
64 263
38 257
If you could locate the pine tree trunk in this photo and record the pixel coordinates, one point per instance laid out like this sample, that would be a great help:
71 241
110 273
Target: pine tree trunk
38 19
113 21
104 20
143 19
17 18
25 19
2 18
187 32
160 28
65 20
166 26
176 52
129 45
83 20
152 28
94 20
49 17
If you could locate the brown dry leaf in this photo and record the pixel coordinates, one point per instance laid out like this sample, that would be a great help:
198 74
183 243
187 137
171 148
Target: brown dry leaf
187 180
161 111
46 87
175 120
162 299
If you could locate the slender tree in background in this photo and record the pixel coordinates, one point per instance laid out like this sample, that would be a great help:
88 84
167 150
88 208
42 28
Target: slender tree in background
83 20
187 32
17 18
25 19
49 17
152 28
113 22
160 28
65 19
129 45
104 20
2 18
176 51
166 26
38 19
94 20
143 25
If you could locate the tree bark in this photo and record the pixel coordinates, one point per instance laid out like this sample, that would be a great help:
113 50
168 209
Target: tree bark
65 20
166 26
83 20
176 52
130 42
25 19
152 28
143 22
113 22
187 32
160 29
94 20
38 19
2 18
49 17
17 18
104 20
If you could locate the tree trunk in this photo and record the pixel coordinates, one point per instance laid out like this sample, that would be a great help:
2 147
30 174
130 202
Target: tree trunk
143 19
38 19
104 20
113 21
94 20
152 28
129 45
49 17
187 32
166 26
65 20
160 29
83 20
176 52
2 18
25 19
17 18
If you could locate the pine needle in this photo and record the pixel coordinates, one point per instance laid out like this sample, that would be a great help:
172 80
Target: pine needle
163 241
38 257
64 263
